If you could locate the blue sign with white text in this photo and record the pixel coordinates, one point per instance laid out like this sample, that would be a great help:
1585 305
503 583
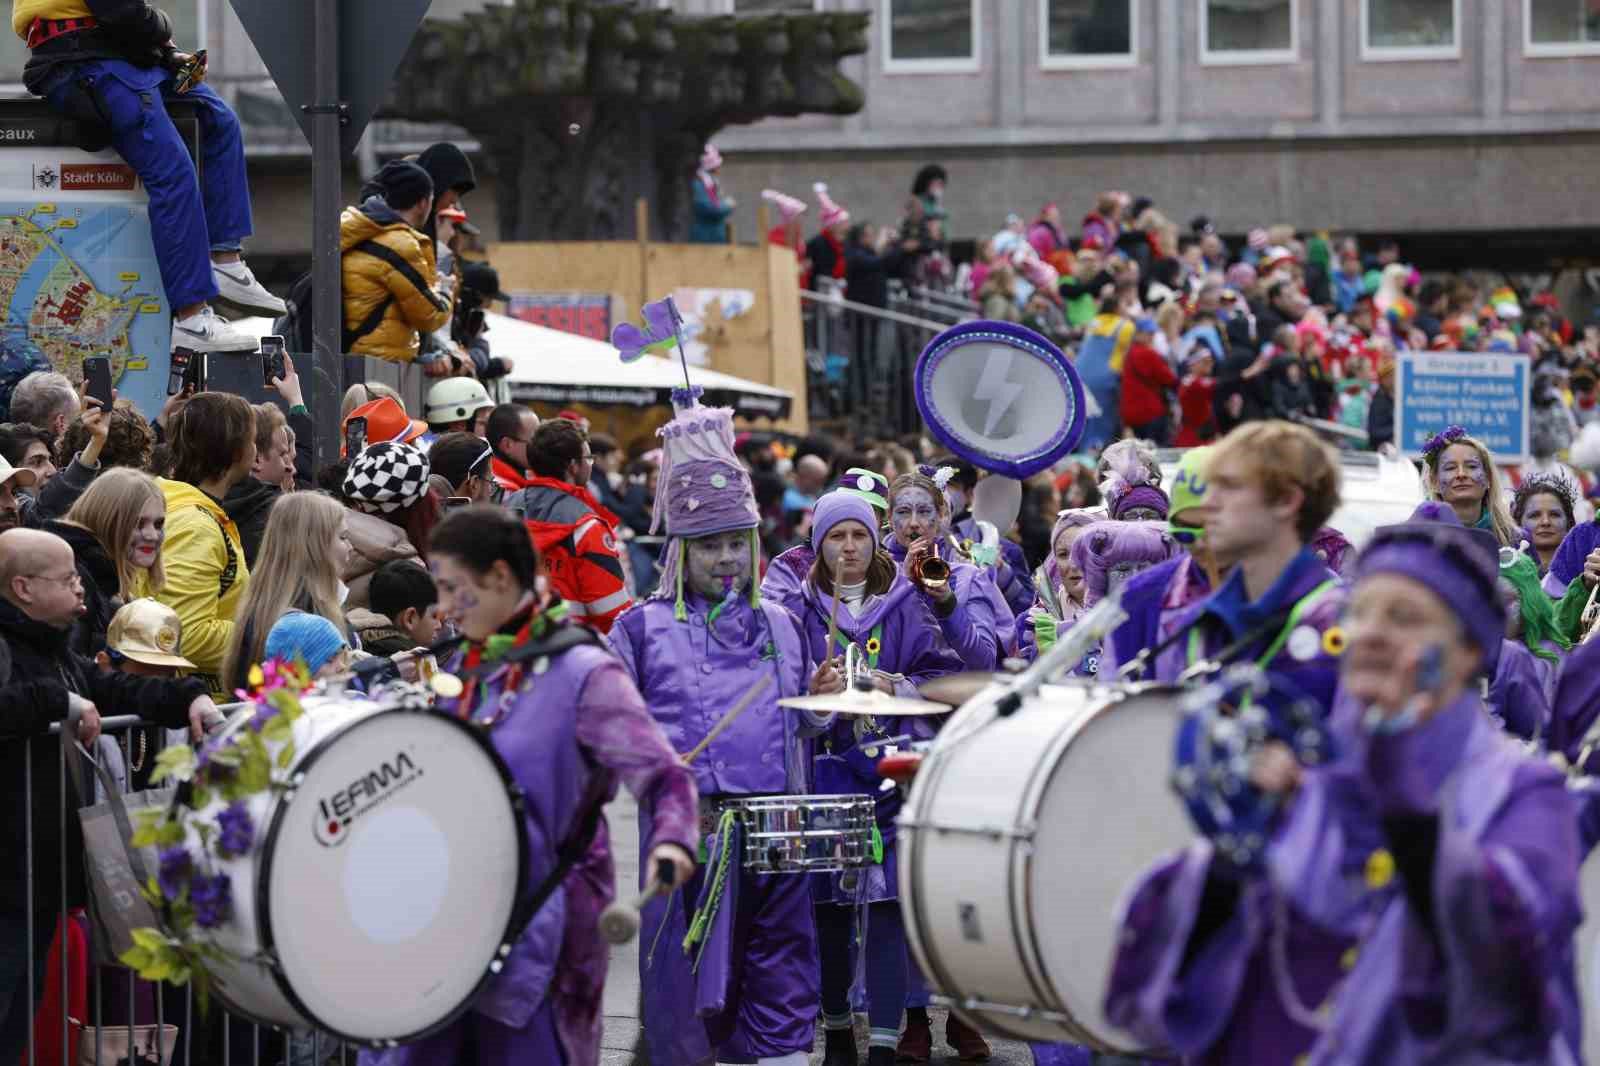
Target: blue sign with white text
1486 394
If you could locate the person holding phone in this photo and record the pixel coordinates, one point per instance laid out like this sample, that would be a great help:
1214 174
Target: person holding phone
1419 893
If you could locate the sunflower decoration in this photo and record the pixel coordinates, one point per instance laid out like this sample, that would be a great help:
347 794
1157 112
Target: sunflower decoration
1333 641
874 646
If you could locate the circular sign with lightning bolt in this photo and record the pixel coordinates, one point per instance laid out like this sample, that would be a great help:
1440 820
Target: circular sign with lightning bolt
1000 396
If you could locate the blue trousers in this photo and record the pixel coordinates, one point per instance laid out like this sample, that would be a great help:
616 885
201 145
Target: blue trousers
190 216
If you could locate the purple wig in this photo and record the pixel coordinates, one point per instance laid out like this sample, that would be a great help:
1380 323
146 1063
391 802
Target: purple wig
1110 552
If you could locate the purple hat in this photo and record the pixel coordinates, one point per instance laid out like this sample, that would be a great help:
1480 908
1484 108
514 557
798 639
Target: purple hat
1462 569
841 506
1110 552
1434 511
868 484
703 488
1332 546
1071 518
1141 496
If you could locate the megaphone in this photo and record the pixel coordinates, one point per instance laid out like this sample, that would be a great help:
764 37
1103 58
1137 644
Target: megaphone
1000 396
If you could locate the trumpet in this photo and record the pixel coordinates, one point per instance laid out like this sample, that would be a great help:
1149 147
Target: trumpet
931 572
1591 616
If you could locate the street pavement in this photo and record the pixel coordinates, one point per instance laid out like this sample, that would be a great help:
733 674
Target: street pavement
622 982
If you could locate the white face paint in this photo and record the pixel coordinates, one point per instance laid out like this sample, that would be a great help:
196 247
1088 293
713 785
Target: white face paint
718 563
914 515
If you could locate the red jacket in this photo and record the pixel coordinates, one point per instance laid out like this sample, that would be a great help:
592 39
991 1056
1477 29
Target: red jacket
1194 404
507 478
1145 374
576 537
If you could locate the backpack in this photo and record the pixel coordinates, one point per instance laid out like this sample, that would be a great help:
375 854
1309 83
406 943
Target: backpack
295 325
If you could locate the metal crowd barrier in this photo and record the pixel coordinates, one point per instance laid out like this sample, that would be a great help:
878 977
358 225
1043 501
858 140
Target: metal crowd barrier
229 1040
861 360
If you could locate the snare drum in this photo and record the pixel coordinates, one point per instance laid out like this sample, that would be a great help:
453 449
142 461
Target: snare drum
804 834
380 893
1019 839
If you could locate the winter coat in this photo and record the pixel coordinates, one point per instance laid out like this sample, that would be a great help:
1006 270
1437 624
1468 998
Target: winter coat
373 542
1146 380
1199 424
248 503
43 670
377 634
101 587
206 576
413 308
710 222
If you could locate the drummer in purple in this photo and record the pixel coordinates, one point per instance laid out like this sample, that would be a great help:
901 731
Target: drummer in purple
1272 486
855 591
1418 896
694 649
569 723
787 572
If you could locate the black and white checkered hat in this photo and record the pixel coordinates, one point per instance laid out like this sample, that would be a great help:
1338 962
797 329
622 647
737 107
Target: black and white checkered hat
387 477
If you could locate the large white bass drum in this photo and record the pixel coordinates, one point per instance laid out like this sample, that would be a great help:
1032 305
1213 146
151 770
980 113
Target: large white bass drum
379 894
1019 839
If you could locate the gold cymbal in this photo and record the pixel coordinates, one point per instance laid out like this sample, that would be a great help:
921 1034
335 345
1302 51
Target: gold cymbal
956 689
874 703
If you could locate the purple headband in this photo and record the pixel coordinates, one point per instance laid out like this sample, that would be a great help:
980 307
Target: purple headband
1142 496
838 507
1458 566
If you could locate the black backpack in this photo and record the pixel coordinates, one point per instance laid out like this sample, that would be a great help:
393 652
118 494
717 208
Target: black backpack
295 325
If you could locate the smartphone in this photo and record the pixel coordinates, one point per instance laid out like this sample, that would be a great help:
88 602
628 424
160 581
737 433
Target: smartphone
452 502
97 379
355 437
272 362
178 370
194 372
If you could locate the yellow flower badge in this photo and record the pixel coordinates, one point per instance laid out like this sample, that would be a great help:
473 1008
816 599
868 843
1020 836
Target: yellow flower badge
1380 868
874 645
1333 641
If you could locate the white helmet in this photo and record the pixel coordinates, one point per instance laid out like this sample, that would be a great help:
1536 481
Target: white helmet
455 400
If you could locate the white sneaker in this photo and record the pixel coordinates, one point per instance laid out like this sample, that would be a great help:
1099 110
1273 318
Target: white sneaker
205 332
238 288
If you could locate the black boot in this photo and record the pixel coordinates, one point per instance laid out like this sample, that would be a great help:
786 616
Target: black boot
880 1056
839 1048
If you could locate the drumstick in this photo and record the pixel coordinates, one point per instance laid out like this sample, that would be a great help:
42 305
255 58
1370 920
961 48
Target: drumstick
738 708
619 923
833 624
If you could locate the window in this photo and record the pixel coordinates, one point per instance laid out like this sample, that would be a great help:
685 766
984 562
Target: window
1410 29
1087 33
1249 31
1560 27
930 36
185 33
767 7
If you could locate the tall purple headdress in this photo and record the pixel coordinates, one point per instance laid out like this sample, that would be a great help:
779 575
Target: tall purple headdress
1110 552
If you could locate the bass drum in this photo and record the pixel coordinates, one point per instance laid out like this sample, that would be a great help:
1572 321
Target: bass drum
1018 841
379 895
1588 939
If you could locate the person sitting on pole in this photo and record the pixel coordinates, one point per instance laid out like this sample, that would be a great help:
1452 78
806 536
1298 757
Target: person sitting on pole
113 63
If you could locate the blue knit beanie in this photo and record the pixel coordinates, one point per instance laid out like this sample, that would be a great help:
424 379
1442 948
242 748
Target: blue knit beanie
298 635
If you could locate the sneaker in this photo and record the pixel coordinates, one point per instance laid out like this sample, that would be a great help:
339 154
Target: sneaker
238 288
205 332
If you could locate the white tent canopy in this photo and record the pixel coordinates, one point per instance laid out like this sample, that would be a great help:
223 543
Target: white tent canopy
553 366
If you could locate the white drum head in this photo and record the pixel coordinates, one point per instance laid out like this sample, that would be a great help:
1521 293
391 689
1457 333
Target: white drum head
394 871
1588 949
1107 813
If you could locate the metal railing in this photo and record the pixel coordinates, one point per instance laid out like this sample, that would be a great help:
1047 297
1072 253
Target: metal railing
225 1039
860 362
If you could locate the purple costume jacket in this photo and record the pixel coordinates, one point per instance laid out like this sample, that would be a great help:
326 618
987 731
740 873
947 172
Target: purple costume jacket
755 992
584 703
1224 617
1568 562
1519 695
1425 891
1009 573
912 647
980 628
785 575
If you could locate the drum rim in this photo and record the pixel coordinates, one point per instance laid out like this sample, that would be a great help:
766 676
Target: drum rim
264 880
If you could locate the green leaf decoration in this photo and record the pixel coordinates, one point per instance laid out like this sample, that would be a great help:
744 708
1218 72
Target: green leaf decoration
175 762
285 755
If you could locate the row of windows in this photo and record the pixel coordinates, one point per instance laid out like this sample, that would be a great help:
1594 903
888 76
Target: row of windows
944 35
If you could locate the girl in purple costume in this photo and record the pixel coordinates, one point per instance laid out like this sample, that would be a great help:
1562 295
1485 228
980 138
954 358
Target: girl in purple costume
1059 584
557 721
972 614
788 571
1107 554
1419 895
856 587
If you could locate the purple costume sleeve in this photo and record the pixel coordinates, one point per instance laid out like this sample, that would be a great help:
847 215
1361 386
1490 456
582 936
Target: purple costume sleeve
920 651
1568 561
1518 692
615 727
970 627
1576 702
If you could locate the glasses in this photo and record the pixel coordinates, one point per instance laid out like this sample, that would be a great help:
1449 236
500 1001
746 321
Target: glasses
1186 534
71 579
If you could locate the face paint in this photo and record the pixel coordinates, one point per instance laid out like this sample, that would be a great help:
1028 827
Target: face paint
846 550
913 515
718 565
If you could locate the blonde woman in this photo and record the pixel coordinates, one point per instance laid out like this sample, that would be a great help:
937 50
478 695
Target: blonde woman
115 529
303 552
1461 474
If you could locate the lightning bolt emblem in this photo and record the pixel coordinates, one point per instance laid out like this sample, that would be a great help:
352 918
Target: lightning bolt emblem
994 387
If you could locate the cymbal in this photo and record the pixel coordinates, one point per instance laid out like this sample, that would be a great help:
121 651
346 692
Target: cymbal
874 703
956 689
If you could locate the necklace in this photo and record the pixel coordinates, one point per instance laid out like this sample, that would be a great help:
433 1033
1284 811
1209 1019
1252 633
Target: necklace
491 651
135 765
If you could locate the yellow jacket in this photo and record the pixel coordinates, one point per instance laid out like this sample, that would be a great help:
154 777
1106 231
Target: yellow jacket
413 307
23 12
206 576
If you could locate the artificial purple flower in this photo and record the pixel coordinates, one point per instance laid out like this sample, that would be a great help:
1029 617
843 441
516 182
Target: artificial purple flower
213 900
661 324
1442 440
238 831
176 866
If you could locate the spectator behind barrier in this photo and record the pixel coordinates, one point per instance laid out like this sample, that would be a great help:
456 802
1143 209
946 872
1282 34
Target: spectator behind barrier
511 429
118 68
404 613
213 448
54 490
393 512
462 462
116 530
303 553
45 399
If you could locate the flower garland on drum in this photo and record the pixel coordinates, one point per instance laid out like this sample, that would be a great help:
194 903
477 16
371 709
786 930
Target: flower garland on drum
207 820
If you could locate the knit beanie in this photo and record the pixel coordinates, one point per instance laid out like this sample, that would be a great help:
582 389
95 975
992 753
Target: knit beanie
841 506
404 184
311 637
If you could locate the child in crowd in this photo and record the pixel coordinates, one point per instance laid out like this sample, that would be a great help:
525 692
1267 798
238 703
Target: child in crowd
312 639
404 612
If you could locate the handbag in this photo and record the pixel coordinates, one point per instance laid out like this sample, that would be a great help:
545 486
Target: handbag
114 868
121 1045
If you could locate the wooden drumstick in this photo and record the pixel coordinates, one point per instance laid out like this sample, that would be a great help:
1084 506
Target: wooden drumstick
619 923
734 712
